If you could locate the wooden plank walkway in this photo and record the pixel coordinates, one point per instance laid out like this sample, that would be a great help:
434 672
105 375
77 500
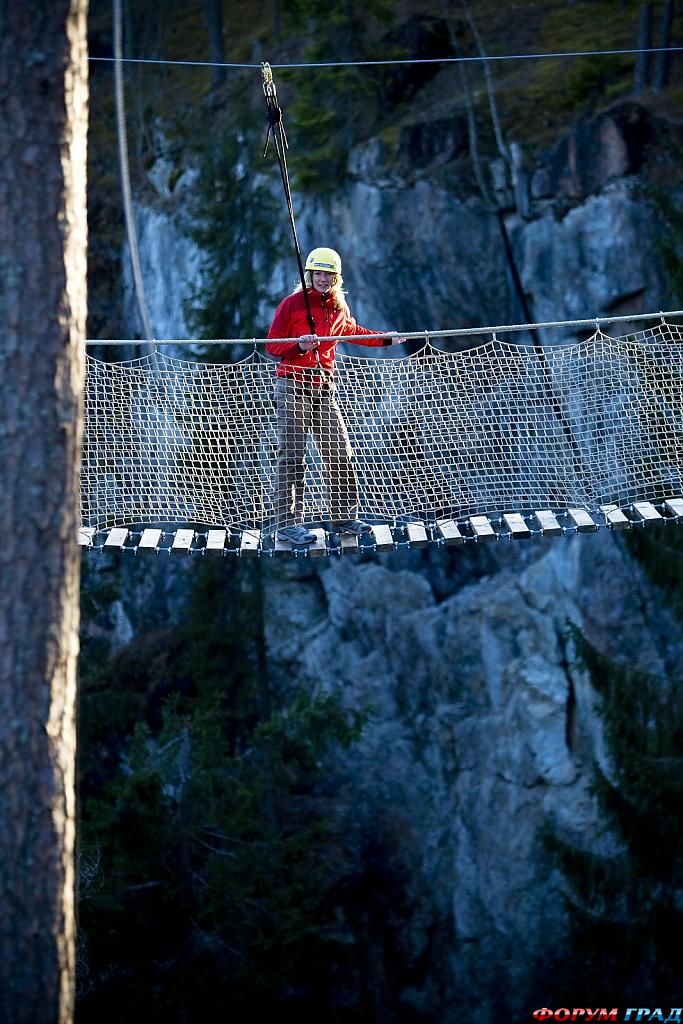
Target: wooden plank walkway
410 535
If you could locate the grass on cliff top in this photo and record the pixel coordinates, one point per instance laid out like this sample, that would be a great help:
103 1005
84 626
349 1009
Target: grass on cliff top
537 98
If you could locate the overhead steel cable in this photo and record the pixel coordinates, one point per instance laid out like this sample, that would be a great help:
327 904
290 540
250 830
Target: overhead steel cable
476 59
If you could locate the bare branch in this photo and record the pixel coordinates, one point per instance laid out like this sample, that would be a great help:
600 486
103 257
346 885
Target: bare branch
472 135
493 107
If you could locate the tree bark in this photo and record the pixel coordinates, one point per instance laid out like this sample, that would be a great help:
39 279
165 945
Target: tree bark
643 43
661 62
490 89
43 134
472 134
276 21
213 12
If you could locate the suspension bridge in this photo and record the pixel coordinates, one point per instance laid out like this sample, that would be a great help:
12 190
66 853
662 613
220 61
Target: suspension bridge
500 439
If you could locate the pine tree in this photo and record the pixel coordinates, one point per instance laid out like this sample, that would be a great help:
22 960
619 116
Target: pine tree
208 860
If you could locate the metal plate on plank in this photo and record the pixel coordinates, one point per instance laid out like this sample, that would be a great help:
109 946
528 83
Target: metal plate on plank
116 538
182 542
384 538
675 507
615 518
582 520
249 542
215 542
320 545
646 511
547 520
449 532
417 535
85 536
349 543
149 540
517 525
481 528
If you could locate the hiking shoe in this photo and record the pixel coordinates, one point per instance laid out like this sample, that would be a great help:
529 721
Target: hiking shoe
297 535
353 526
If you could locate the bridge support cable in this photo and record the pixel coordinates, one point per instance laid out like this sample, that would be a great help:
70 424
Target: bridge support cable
125 177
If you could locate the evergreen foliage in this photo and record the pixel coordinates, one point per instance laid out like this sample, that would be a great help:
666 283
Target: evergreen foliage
668 205
239 215
588 81
208 864
335 108
626 908
659 550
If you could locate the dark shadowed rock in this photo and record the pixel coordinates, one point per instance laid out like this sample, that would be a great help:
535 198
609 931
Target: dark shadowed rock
431 142
595 152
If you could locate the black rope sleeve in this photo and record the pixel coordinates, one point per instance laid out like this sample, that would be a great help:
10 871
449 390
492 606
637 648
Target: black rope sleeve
276 130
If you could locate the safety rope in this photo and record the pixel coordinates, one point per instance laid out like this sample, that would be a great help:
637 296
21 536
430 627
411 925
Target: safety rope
276 129
125 177
476 59
595 322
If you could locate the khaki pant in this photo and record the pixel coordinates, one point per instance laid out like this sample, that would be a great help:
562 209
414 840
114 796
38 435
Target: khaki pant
302 409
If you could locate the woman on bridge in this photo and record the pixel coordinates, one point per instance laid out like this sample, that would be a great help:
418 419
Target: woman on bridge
304 397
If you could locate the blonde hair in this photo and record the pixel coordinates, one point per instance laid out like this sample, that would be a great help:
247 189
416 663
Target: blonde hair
336 290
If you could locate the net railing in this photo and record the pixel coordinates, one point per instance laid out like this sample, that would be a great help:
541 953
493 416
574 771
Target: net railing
501 427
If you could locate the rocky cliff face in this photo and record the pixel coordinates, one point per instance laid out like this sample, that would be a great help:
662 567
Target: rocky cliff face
422 253
483 737
484 732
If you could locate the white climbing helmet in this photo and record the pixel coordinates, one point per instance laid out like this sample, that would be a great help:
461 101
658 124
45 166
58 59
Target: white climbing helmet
328 260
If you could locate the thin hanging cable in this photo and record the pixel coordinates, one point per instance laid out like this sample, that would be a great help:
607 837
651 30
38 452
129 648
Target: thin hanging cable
276 129
125 177
477 59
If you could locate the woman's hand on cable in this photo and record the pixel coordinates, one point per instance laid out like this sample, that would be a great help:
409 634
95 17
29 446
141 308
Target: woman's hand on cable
308 342
396 339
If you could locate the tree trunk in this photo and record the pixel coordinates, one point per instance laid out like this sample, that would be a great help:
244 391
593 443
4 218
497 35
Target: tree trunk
213 11
643 42
472 134
276 21
661 72
491 92
43 133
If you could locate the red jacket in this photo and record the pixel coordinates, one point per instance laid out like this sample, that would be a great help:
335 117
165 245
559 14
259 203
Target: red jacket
291 321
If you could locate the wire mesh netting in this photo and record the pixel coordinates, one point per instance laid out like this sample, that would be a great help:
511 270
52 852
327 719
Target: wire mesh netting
502 427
